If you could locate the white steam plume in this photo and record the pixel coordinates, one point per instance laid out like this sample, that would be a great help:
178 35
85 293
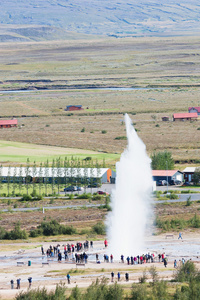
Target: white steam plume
131 198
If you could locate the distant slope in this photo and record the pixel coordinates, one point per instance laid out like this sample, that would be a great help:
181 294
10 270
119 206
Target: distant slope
103 17
22 33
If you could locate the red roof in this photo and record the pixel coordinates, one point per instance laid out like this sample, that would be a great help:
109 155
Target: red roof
8 122
185 115
164 172
197 109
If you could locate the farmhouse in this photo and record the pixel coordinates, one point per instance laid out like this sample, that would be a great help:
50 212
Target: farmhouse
189 174
167 175
8 123
73 107
194 110
63 175
185 116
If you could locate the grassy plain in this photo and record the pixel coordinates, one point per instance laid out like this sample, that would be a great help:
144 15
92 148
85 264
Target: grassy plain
164 71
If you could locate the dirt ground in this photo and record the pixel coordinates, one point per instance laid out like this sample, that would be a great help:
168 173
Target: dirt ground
50 274
82 218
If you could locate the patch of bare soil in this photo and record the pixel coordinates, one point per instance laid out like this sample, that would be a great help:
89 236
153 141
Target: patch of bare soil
30 219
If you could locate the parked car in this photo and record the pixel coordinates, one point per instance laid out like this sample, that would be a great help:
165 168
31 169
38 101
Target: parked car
79 188
175 182
187 183
102 193
70 189
94 185
162 182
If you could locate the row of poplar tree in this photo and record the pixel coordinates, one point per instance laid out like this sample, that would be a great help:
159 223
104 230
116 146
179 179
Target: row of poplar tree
72 175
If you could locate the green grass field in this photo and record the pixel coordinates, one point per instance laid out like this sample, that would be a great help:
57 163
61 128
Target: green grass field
14 153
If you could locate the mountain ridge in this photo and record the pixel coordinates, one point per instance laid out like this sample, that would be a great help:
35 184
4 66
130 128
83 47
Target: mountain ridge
115 18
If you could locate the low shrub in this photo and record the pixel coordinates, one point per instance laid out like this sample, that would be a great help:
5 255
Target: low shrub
26 197
96 197
52 228
188 202
15 234
99 228
84 196
43 294
121 137
172 196
185 272
104 131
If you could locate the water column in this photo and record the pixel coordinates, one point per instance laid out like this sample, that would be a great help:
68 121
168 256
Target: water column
131 198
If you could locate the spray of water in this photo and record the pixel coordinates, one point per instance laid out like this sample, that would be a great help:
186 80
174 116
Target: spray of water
130 200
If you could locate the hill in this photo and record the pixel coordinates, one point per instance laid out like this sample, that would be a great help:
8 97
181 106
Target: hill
117 18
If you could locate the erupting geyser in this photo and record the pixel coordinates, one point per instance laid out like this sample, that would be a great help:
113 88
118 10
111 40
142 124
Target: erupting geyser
130 200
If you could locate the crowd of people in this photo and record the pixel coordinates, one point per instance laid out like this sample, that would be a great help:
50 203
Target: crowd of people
18 281
76 252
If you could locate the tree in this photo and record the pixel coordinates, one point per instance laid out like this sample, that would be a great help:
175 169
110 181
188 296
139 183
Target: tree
78 177
20 179
46 172
53 175
1 176
85 175
40 178
196 178
98 172
162 161
66 172
28 178
34 170
92 175
8 180
14 180
58 173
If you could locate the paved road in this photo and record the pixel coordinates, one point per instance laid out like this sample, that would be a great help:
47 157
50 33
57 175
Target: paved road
107 188
50 207
182 198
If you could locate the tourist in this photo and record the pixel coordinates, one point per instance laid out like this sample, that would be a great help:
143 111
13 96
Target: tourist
111 258
122 258
59 256
128 260
12 284
106 243
42 250
112 276
138 258
141 259
118 276
85 258
180 236
91 244
97 257
165 262
30 282
18 283
163 256
175 263
68 278
159 257
183 261
127 276
131 260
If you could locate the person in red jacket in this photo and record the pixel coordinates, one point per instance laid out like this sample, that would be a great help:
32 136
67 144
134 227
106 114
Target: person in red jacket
111 258
106 243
